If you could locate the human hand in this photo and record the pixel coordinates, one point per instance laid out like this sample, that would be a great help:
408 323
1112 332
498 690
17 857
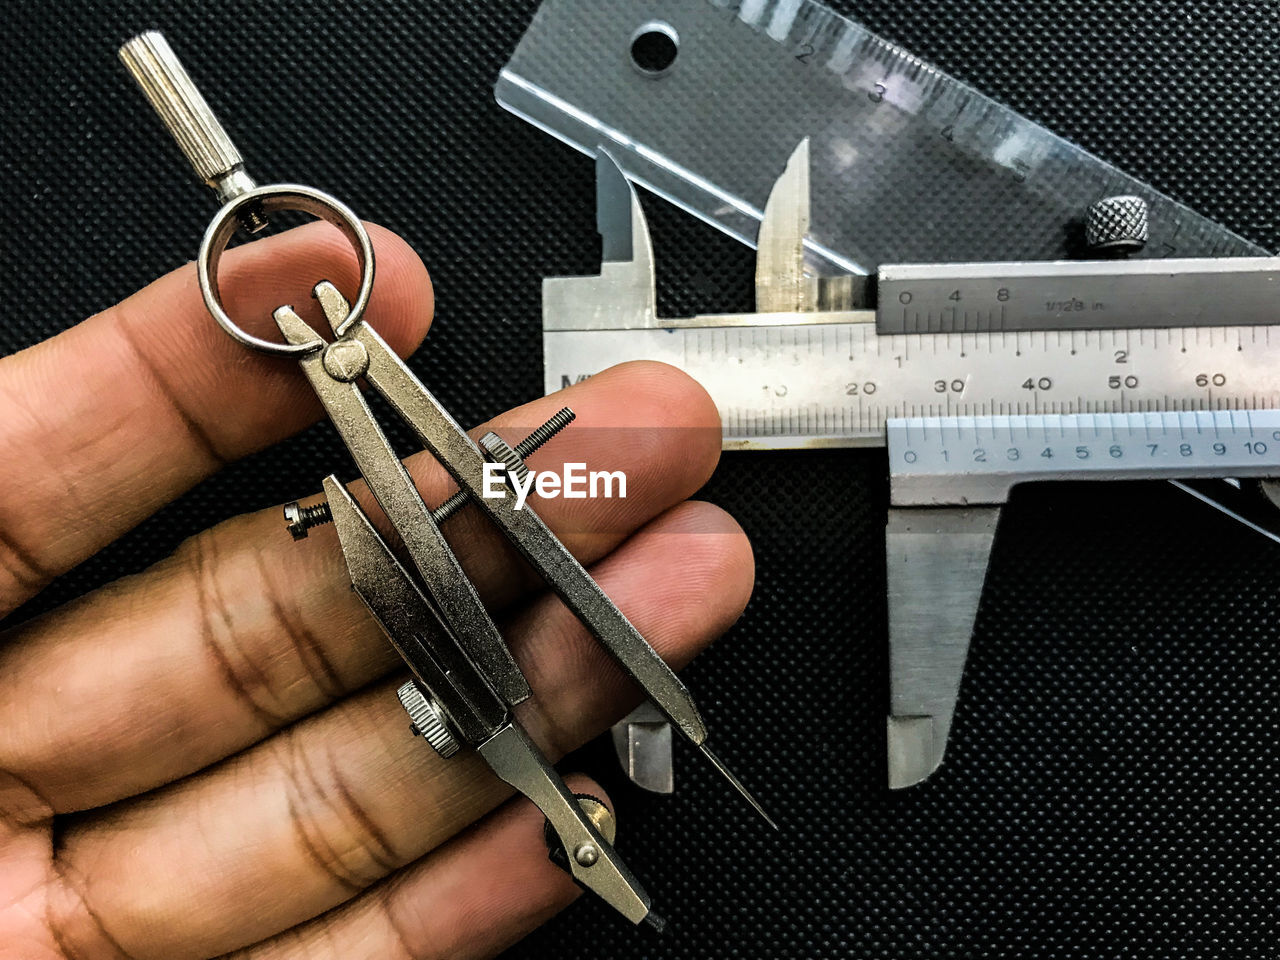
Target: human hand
208 756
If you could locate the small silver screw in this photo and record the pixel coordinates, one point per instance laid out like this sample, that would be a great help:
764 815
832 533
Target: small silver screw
300 519
587 854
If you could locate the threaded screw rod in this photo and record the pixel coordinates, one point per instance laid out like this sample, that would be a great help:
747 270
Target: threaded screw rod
300 519
523 449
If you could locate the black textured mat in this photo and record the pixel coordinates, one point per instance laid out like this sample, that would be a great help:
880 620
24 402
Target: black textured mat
1110 789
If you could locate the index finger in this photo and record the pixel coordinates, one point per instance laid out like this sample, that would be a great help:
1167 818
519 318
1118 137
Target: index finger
105 423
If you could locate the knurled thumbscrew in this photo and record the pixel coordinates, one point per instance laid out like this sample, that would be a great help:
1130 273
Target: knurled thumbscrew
167 85
426 719
1117 226
299 519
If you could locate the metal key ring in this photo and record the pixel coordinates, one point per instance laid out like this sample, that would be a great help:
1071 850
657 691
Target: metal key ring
281 196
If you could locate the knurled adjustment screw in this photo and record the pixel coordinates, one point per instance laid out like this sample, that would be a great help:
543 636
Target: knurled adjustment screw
502 453
1117 225
425 719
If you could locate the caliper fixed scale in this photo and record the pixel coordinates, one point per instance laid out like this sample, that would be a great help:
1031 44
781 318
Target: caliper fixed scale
811 376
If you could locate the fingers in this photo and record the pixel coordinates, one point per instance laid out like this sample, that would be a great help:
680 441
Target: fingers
472 898
244 631
115 417
321 811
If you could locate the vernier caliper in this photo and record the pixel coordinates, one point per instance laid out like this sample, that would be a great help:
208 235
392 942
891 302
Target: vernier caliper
976 376
465 681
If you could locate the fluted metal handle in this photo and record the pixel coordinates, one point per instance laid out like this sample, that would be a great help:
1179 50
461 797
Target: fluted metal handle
165 82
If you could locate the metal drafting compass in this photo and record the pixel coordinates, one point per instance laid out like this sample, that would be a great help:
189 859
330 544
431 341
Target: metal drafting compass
465 681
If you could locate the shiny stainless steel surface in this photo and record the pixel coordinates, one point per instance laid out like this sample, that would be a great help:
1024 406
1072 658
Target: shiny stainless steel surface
460 456
203 140
458 690
642 742
829 378
399 498
167 86
515 758
622 296
978 460
947 479
786 283
781 283
936 565
448 588
439 570
979 398
468 679
269 199
1077 295
415 624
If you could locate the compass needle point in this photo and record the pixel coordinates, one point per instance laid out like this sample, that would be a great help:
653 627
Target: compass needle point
737 785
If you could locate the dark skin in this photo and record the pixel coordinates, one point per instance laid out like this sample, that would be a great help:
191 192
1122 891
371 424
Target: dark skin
208 758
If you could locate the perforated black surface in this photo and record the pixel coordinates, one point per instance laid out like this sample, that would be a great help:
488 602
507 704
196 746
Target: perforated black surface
1110 787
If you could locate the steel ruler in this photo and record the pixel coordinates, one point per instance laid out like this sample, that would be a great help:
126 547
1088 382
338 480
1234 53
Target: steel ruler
945 298
910 165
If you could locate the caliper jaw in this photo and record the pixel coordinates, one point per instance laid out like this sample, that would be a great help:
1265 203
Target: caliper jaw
936 566
622 296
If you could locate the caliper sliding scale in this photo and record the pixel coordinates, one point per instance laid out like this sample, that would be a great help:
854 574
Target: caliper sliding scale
949 476
978 376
